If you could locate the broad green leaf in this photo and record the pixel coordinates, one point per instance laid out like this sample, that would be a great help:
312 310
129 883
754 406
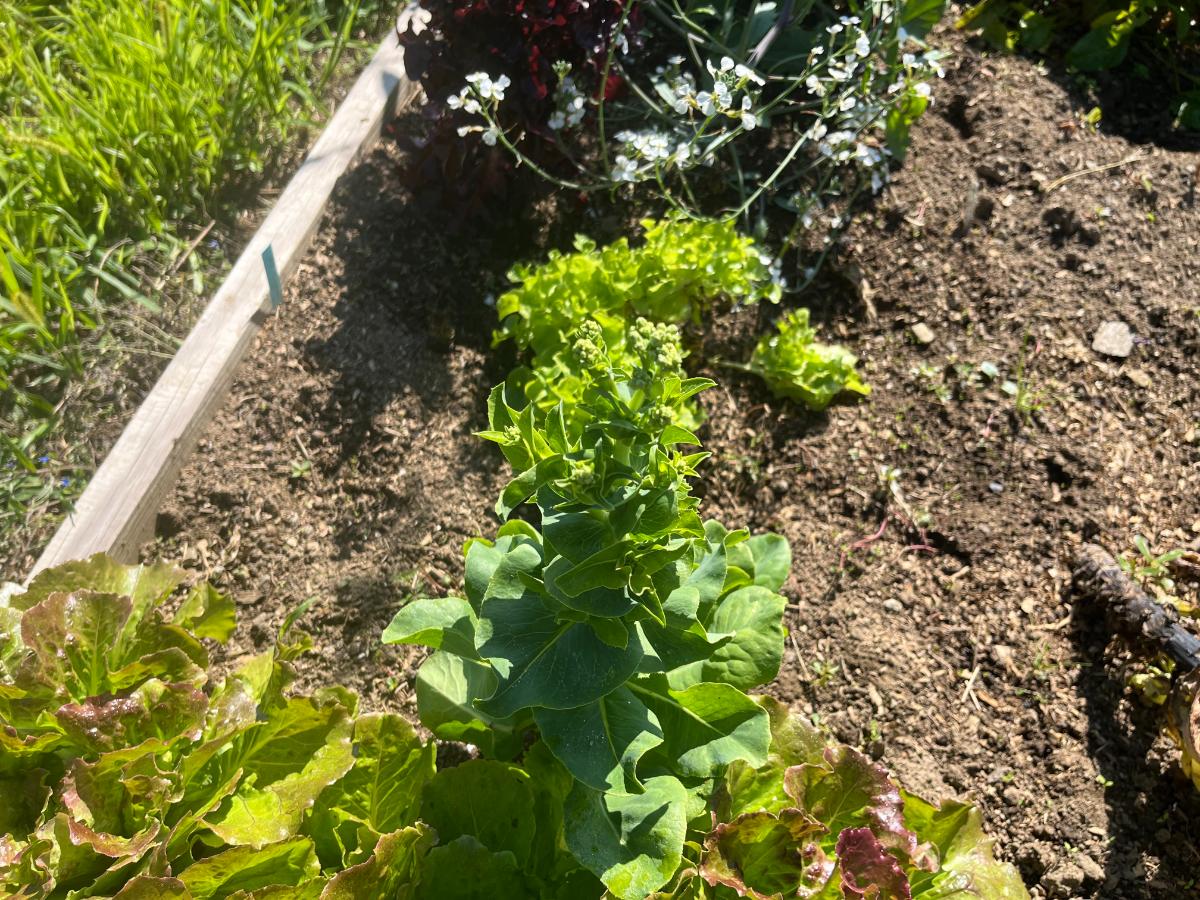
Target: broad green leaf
465 869
392 871
383 790
600 601
540 661
446 686
919 16
289 862
263 816
761 852
967 867
490 801
576 534
445 623
752 656
601 743
631 842
1107 44
207 613
706 726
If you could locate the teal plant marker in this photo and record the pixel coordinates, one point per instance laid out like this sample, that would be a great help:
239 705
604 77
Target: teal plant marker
274 285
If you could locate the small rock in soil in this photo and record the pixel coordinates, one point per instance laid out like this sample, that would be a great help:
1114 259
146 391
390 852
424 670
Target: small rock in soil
1091 869
1138 377
923 333
1113 339
893 605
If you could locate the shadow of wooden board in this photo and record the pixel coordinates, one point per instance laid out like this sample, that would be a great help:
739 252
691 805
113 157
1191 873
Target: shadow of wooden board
117 510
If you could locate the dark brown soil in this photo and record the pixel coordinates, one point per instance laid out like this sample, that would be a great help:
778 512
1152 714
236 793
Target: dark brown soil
342 467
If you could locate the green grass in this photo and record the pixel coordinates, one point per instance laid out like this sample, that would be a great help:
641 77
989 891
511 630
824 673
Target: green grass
120 122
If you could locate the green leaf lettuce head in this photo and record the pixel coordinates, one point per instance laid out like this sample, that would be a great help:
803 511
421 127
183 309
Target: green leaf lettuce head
135 776
796 366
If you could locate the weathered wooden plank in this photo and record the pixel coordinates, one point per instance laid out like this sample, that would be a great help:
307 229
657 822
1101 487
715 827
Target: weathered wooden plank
116 512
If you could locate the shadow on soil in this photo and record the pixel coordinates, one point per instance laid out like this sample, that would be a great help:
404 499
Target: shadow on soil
1151 815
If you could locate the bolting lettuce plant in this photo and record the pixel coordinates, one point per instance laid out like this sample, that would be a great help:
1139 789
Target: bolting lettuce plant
680 271
128 774
624 632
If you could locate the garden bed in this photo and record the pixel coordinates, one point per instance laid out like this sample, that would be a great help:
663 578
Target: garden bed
931 622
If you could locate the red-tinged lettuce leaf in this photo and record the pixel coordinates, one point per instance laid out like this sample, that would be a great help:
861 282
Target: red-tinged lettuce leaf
152 710
761 854
24 870
847 790
145 586
1184 723
259 816
291 862
868 871
464 869
393 869
381 794
146 887
794 742
86 644
967 867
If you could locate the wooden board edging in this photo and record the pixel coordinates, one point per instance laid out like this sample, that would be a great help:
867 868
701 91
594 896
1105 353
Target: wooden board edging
116 511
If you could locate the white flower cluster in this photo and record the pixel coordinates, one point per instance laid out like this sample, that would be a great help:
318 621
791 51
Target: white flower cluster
570 104
644 151
480 96
729 79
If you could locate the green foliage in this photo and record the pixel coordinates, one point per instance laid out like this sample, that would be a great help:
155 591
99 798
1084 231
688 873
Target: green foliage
134 776
733 107
680 270
624 630
796 366
824 821
1158 36
120 122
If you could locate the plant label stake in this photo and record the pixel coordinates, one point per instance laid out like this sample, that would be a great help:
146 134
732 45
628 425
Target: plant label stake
273 283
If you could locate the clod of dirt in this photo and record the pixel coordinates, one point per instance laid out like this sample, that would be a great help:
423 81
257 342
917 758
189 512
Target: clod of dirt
1113 339
1065 223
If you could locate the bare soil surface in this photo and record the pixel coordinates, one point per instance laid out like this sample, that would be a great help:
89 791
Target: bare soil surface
931 617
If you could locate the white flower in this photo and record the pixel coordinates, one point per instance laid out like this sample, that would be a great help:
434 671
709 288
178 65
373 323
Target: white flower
848 103
557 121
862 46
471 105
748 74
705 101
464 130
923 90
625 169
909 60
726 64
749 121
836 28
490 135
813 83
454 101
